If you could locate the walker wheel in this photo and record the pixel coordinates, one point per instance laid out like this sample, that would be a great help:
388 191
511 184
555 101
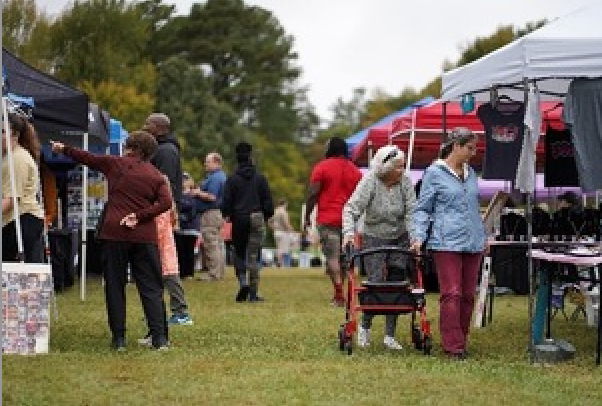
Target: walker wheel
349 347
427 345
417 338
342 338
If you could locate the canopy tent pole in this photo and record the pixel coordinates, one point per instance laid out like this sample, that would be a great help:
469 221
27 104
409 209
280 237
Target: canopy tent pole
84 223
13 179
529 218
411 146
444 121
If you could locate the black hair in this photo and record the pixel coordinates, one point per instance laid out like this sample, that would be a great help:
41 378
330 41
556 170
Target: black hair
336 147
243 152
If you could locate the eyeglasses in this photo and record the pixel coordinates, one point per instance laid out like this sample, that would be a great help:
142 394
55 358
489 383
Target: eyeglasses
390 156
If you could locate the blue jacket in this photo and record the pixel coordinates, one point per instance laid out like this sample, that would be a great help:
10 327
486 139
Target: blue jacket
453 207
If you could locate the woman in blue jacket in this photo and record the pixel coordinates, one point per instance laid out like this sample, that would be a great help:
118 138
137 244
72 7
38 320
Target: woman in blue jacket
449 200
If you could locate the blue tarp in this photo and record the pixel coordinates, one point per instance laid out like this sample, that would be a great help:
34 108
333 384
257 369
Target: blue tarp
117 136
358 137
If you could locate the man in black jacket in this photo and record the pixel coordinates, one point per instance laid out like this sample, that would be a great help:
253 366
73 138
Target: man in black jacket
167 158
248 203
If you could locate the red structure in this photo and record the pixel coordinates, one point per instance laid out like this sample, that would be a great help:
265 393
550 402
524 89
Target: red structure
426 123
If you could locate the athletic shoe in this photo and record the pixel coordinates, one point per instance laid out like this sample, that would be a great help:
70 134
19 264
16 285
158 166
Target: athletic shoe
118 344
363 337
181 319
338 302
160 344
147 341
256 299
391 343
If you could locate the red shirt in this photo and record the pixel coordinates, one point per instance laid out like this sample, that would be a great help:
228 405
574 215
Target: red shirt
338 178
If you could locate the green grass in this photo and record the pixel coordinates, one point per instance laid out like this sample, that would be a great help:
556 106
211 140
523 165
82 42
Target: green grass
285 352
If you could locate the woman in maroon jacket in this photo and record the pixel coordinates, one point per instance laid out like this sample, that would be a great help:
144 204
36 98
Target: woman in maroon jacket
137 193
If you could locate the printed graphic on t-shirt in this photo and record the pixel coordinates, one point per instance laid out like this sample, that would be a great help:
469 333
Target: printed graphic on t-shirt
560 167
503 138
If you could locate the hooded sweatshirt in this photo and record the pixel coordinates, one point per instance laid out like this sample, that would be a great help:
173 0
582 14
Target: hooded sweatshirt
245 192
167 161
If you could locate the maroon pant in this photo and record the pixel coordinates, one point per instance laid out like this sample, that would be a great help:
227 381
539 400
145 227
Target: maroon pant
457 273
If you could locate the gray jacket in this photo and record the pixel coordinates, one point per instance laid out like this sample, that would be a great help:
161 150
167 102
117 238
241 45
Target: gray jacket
388 212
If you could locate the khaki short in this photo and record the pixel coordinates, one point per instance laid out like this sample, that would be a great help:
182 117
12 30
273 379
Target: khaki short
331 239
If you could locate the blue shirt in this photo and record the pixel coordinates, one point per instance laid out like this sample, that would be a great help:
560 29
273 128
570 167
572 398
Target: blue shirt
214 184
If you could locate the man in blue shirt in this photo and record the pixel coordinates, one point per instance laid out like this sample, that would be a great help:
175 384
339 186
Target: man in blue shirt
209 199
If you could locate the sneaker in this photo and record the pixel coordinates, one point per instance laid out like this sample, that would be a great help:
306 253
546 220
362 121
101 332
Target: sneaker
256 299
391 343
118 344
160 344
338 302
363 337
147 341
181 319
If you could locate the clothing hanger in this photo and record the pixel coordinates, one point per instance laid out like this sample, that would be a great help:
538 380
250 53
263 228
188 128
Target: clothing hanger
505 97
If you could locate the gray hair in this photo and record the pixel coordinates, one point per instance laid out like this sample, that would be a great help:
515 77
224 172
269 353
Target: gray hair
460 136
161 118
385 159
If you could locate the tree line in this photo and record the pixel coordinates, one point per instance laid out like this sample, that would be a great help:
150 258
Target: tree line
225 72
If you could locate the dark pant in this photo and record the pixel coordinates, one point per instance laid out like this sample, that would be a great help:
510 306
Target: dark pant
146 271
32 229
458 273
247 235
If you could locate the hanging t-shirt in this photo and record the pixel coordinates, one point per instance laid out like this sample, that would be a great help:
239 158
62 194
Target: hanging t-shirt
503 138
583 113
560 167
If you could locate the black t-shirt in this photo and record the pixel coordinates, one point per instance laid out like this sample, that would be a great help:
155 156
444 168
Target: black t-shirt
503 138
560 168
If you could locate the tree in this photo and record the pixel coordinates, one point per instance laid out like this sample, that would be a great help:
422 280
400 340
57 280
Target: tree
248 58
25 32
349 113
99 40
124 102
201 122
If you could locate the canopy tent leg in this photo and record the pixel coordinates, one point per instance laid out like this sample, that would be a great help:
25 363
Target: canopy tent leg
84 257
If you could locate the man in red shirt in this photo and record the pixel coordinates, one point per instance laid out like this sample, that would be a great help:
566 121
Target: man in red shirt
332 182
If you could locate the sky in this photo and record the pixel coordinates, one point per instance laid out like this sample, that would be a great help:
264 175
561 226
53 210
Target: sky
383 44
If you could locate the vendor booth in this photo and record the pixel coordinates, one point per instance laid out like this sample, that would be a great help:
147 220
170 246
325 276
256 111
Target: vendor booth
361 139
419 132
561 62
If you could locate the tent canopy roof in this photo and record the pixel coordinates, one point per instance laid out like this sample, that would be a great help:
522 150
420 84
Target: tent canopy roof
427 123
563 49
60 112
360 136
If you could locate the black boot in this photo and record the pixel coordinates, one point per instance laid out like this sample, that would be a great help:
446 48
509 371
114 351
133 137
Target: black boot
254 297
242 294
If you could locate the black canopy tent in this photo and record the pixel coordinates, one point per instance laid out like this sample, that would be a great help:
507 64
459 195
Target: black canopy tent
60 112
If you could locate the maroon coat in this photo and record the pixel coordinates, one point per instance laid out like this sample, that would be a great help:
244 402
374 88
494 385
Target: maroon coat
135 186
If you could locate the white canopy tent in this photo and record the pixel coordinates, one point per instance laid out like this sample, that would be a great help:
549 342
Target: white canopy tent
563 49
550 58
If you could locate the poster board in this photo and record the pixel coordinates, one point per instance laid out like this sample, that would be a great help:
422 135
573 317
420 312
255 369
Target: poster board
26 297
492 213
96 197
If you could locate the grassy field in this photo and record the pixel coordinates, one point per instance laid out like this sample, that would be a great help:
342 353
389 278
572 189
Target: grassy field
285 352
